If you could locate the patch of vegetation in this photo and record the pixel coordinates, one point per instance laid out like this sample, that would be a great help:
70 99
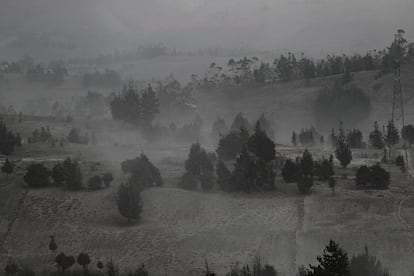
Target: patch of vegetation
142 173
372 177
8 140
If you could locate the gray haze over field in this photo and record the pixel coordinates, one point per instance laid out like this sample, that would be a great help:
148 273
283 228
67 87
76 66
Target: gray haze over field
99 26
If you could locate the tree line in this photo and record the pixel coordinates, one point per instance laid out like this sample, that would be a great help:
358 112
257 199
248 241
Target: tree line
334 260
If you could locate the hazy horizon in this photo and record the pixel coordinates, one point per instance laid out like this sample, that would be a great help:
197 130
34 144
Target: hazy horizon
316 27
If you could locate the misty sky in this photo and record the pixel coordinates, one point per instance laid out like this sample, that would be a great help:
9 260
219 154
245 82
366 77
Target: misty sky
299 25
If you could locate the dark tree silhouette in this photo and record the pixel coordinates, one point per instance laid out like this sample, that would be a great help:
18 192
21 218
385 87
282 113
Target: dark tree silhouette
135 109
11 268
231 144
376 138
142 172
83 260
64 262
407 134
261 145
290 171
129 201
58 174
52 244
334 261
392 137
200 166
73 174
342 151
37 176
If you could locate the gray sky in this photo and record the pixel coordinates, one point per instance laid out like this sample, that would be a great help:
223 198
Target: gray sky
299 25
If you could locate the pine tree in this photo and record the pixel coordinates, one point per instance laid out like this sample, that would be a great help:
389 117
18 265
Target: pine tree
392 137
261 145
333 262
129 201
342 151
375 137
149 105
290 172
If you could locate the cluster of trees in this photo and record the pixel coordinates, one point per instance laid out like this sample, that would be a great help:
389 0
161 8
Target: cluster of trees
199 169
67 174
307 137
175 97
55 73
335 261
303 170
106 79
41 135
133 108
390 136
220 129
252 71
8 140
341 103
253 168
97 182
355 139
342 151
372 177
142 174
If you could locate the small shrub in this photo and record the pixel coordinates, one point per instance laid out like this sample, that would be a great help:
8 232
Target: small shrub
374 176
380 178
37 176
363 176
